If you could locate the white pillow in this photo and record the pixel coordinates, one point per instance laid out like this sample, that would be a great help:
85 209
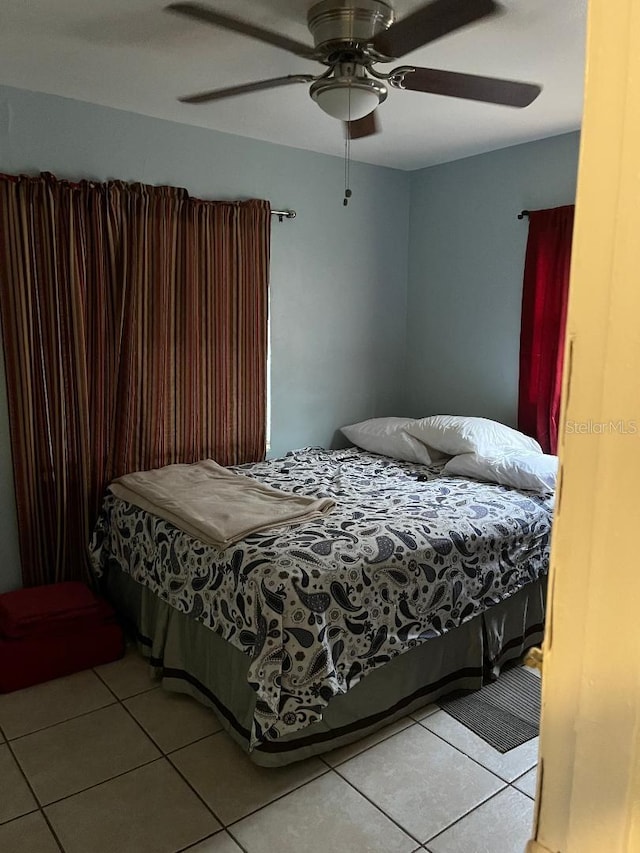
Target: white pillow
453 434
535 472
388 437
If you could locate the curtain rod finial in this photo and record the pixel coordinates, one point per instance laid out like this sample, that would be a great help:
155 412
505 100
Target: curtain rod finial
523 213
284 214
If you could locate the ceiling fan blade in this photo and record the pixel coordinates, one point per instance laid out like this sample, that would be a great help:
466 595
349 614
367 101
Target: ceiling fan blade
488 89
209 16
244 88
431 22
362 127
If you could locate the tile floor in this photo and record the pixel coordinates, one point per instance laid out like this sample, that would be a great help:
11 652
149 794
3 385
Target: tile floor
105 761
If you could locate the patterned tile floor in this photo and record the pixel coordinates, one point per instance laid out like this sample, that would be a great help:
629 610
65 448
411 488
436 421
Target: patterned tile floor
105 760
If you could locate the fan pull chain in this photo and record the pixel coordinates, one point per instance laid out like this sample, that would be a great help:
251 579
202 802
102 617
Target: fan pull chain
347 158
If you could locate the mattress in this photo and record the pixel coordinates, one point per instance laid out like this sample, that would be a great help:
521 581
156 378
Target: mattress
406 556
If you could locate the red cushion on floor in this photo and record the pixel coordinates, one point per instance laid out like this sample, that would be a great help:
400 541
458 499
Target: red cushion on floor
31 660
38 609
50 631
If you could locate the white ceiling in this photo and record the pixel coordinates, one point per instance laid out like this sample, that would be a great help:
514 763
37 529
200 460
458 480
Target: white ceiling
132 55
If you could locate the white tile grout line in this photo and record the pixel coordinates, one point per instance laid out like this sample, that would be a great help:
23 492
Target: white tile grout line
116 699
191 788
518 778
281 796
29 811
223 831
33 810
66 720
173 751
42 806
233 823
366 748
241 847
379 808
424 716
159 759
46 820
162 757
476 760
238 842
166 756
524 793
36 800
228 827
351 785
55 802
329 770
153 684
483 803
505 785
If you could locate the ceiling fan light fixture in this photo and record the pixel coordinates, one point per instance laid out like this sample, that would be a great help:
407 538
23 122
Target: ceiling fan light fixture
348 99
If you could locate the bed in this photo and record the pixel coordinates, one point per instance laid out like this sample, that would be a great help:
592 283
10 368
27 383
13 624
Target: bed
306 637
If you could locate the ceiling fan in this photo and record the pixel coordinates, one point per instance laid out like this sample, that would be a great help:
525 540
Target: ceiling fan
351 37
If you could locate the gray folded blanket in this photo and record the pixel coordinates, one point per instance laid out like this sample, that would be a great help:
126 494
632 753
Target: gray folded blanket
214 504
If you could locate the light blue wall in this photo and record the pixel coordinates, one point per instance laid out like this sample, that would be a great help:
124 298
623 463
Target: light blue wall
338 275
466 261
407 301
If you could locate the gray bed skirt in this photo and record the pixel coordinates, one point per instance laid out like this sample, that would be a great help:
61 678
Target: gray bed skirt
190 658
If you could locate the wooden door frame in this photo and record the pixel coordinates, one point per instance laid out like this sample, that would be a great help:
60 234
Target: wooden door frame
588 798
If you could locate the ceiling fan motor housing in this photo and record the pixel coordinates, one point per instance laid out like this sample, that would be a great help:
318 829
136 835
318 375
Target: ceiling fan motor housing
339 25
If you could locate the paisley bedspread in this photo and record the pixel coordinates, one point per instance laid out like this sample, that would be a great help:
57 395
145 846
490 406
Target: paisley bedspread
318 605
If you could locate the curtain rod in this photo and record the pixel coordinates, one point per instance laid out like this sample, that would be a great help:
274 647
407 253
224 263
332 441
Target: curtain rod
284 214
523 213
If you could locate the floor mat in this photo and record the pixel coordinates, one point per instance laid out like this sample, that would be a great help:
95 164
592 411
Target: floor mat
505 713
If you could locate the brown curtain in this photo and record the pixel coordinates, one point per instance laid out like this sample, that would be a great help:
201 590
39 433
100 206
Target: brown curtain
134 321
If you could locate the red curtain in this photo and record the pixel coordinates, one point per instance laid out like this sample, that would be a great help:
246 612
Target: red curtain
134 322
544 315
